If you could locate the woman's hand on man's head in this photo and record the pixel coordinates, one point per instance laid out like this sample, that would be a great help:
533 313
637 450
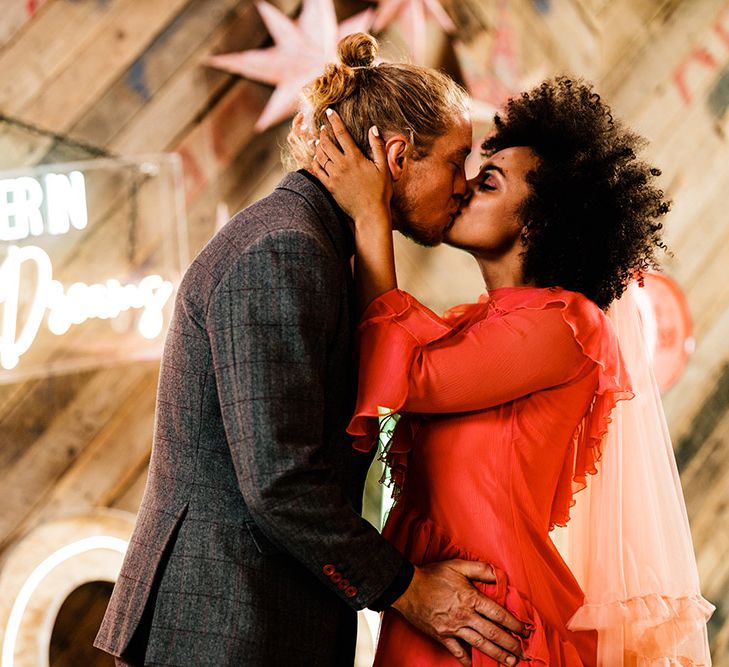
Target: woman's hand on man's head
300 141
362 187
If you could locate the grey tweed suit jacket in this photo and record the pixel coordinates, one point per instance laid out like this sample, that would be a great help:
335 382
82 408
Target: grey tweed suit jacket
249 548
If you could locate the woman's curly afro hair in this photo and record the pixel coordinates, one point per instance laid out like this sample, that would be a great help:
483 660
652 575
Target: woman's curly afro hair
592 220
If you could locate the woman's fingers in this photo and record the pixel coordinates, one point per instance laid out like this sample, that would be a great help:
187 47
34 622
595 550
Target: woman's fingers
298 129
321 155
329 147
377 144
297 138
299 125
356 182
317 169
329 155
340 132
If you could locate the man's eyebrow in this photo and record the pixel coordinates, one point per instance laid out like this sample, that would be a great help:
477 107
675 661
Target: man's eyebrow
464 151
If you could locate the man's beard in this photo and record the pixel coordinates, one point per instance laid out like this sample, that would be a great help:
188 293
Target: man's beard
403 223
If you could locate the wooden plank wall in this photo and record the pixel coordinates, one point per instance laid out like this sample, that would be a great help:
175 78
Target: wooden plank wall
125 76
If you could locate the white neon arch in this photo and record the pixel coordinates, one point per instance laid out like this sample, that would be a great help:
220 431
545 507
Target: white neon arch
43 581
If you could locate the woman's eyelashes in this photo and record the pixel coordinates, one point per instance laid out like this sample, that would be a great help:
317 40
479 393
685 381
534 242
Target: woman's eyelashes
486 180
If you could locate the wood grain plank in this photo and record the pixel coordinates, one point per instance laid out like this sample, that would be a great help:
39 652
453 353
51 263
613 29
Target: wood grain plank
64 99
76 626
20 427
639 79
252 173
38 55
15 16
191 35
194 89
60 102
686 397
626 28
110 460
34 474
128 496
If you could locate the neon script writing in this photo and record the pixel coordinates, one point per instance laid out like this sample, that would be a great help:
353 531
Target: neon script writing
57 206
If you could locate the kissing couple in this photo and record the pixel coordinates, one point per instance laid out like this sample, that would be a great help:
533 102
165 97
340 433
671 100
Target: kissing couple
532 406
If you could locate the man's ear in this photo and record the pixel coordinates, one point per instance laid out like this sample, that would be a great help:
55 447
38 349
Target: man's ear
397 148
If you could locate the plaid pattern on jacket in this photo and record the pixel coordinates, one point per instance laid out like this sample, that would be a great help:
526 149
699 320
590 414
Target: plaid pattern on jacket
249 548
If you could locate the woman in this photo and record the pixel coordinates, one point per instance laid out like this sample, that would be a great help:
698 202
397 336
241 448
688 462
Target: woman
504 404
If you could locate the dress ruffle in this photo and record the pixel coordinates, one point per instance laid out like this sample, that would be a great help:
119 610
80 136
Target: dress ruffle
425 542
651 623
595 336
383 393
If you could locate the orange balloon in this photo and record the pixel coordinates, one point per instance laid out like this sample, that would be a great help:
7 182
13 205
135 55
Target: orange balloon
668 327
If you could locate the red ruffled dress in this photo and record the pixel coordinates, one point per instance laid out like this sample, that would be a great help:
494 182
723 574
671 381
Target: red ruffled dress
503 406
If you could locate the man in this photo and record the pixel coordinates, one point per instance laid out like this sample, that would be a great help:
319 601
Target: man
249 548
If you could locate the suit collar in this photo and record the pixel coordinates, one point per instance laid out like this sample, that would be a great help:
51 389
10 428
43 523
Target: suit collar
334 219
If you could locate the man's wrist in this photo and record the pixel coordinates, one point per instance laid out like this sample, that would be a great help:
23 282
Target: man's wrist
397 587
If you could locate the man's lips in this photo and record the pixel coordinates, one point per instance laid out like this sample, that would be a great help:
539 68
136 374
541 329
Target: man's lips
459 209
452 219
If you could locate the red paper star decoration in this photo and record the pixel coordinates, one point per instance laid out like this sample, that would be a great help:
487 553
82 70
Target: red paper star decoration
413 15
302 49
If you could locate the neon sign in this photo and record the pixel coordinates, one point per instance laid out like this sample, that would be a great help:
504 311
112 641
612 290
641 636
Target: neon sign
63 265
73 306
31 206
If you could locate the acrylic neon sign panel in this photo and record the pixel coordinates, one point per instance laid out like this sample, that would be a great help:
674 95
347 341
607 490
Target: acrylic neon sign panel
90 255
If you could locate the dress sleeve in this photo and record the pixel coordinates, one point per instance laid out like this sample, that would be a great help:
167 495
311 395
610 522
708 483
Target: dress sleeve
413 361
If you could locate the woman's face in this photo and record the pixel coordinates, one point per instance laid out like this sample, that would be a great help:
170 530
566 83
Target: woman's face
490 223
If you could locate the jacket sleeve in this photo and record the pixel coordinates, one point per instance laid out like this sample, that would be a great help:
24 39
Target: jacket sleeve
270 322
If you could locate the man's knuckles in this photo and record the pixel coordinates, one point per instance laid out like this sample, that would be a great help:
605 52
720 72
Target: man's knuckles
491 632
497 615
462 614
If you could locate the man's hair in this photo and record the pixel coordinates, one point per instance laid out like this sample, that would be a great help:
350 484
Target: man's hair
592 218
403 98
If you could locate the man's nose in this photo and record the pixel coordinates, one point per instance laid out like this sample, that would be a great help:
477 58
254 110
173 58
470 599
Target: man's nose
461 187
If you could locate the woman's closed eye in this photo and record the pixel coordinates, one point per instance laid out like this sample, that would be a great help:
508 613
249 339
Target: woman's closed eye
487 181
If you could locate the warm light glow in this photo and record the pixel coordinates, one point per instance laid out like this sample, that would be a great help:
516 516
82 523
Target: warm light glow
66 307
648 318
39 574
24 202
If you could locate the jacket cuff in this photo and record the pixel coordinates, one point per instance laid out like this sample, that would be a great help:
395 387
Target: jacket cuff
396 588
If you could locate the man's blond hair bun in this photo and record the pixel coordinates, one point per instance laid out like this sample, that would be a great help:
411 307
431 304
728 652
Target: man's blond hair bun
358 50
417 102
339 81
